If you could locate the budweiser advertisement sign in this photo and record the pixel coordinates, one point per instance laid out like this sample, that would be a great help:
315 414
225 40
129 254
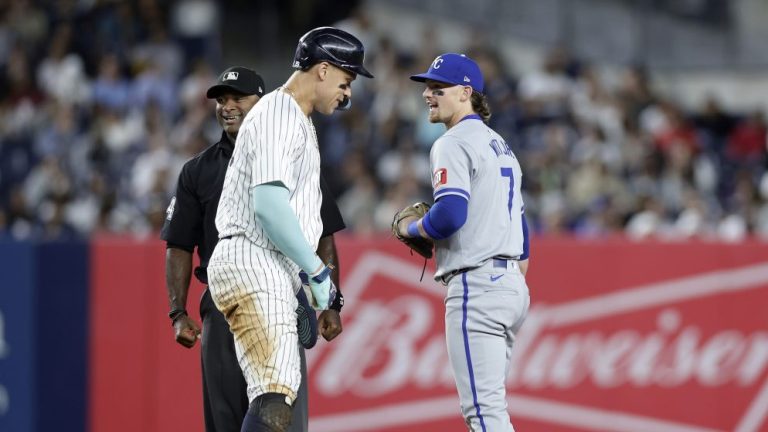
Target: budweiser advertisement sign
627 337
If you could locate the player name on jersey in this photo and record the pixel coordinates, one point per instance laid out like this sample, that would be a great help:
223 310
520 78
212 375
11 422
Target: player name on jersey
501 148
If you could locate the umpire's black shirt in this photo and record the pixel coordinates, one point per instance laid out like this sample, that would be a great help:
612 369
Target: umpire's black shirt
191 217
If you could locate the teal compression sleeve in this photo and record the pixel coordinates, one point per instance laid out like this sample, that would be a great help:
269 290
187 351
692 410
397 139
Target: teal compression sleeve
281 225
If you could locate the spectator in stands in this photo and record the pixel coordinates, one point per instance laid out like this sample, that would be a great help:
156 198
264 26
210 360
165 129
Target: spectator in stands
634 92
714 125
110 89
676 131
61 75
546 92
747 145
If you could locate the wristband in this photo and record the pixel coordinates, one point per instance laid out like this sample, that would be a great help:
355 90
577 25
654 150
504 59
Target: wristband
176 314
338 302
323 274
413 229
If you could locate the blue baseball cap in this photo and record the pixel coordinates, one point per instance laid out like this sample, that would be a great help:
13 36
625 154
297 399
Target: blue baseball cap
456 69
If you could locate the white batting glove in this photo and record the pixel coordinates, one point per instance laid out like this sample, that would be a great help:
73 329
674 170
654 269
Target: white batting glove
322 287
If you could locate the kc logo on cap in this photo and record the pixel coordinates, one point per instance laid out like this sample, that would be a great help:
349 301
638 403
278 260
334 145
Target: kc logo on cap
230 76
456 69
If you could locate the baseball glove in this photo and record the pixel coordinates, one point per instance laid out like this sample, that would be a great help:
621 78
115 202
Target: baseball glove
420 245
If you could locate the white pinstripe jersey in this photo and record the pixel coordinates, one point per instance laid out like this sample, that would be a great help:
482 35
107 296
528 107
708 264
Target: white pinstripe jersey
276 143
471 160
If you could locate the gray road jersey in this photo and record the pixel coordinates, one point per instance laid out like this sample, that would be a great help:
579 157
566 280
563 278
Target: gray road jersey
276 143
472 161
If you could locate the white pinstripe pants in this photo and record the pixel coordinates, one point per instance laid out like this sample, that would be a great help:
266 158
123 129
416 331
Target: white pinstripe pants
255 290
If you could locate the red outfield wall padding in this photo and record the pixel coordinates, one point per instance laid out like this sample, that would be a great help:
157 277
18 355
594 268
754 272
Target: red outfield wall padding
140 378
621 336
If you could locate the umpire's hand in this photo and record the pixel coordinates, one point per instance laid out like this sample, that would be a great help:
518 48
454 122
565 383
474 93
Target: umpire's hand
329 323
187 331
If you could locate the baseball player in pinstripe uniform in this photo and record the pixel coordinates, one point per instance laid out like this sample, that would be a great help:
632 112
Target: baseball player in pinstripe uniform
190 224
480 236
269 223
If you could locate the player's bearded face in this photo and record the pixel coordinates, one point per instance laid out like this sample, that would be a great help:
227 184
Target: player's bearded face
333 90
440 99
231 109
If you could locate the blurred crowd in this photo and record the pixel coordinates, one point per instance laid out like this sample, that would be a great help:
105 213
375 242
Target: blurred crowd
101 103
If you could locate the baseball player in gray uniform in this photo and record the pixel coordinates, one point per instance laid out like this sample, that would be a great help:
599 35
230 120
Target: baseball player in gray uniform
480 236
269 223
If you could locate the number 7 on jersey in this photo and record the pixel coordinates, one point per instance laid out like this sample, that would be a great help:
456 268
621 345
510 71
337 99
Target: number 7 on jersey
507 172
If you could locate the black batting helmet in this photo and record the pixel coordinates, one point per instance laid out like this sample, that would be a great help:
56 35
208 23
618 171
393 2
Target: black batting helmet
332 45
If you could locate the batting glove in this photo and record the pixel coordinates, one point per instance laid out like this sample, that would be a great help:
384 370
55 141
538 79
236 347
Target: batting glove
322 287
306 325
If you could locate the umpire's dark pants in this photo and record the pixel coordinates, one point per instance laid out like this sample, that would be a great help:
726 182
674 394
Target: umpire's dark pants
225 400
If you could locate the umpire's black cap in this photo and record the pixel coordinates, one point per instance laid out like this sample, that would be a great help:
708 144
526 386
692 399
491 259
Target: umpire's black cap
237 79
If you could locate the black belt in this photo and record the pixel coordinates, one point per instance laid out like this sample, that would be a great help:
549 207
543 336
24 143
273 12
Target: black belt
201 273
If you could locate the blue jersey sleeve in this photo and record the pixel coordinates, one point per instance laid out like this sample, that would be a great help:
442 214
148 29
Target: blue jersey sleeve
526 243
446 217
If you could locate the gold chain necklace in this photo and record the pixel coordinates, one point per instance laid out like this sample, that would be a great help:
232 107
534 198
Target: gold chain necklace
290 93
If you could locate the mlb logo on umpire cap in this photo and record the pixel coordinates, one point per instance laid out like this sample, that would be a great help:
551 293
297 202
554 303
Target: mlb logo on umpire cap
456 69
239 80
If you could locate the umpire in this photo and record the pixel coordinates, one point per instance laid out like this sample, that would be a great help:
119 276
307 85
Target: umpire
190 223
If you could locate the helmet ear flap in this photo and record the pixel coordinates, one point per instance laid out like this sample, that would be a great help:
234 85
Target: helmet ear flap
301 60
307 55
